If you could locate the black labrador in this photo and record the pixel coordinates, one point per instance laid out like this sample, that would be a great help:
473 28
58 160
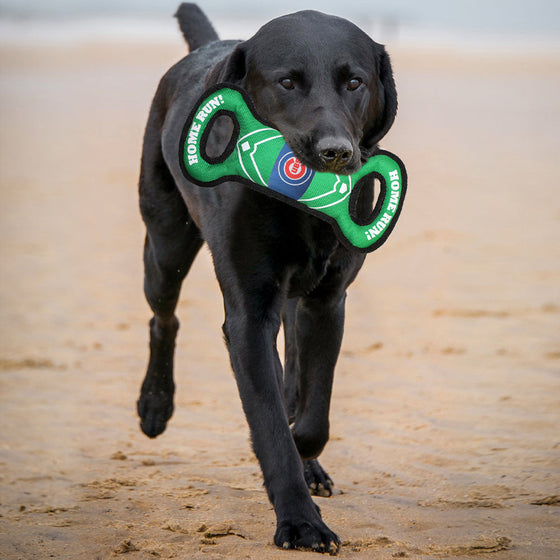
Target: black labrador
329 89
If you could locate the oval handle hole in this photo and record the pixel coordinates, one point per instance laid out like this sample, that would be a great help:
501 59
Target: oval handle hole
219 137
365 199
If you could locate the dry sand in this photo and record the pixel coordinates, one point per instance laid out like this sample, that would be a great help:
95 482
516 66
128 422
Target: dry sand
445 416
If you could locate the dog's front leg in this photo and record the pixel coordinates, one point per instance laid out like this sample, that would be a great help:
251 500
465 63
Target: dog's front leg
251 327
319 325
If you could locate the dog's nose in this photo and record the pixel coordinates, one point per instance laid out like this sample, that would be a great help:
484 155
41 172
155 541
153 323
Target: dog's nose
335 152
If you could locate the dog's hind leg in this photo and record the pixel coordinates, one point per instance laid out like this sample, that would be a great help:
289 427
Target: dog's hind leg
172 242
162 284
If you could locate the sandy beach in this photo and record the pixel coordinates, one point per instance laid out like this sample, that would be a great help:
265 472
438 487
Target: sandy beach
446 408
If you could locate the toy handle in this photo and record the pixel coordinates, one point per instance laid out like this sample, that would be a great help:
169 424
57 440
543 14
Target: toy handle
199 166
366 234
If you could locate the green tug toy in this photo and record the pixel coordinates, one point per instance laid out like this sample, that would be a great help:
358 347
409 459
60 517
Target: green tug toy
258 156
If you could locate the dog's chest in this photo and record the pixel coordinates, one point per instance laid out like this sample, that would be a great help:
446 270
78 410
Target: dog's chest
316 257
304 280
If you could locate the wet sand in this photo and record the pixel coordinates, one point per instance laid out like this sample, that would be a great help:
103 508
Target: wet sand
445 412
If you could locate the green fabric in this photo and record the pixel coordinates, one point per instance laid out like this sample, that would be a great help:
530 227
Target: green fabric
259 156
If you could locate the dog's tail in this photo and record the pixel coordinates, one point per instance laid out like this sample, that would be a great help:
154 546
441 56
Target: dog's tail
195 26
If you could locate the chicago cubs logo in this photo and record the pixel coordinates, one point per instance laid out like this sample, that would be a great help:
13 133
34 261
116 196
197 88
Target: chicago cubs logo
289 176
294 169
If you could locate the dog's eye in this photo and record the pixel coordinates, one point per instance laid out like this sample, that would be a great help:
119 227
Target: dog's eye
287 83
353 84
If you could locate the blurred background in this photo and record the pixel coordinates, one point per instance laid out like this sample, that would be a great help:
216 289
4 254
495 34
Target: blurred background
503 23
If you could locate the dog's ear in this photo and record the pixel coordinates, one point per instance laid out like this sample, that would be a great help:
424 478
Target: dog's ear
383 103
231 69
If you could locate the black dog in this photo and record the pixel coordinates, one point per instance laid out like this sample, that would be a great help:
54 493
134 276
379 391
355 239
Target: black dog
329 89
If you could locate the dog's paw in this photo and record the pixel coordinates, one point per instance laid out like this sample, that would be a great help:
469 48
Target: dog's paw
313 536
155 409
317 480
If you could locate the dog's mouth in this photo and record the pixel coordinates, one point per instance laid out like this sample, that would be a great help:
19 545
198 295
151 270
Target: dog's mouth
327 155
336 162
307 151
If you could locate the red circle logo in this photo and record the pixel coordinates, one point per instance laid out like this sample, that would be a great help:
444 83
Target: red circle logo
294 169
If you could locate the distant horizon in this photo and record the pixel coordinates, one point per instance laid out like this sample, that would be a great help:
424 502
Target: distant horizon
538 16
474 24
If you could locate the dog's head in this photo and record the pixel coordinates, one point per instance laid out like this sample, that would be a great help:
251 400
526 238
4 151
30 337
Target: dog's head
322 82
